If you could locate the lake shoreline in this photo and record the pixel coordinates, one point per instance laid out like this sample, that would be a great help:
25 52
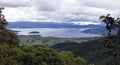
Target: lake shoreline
56 32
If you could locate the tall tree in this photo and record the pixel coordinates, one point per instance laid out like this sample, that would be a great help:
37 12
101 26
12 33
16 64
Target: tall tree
3 22
6 36
112 42
109 21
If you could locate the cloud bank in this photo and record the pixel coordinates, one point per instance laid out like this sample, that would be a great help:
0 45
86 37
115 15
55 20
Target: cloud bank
73 11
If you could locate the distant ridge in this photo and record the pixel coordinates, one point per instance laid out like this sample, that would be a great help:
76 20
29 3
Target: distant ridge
48 25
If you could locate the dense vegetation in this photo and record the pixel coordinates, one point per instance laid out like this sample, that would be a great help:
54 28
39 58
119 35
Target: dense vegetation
47 41
91 51
37 55
12 53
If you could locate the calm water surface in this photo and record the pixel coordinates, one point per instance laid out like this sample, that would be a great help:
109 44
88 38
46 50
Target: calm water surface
56 32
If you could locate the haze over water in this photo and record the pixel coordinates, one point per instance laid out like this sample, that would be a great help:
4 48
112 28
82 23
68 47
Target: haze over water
56 32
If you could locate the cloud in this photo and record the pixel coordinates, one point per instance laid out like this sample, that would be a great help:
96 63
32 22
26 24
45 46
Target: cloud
85 23
14 3
21 14
107 4
59 10
45 5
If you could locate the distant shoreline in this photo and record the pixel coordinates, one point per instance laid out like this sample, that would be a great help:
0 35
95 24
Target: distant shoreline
55 32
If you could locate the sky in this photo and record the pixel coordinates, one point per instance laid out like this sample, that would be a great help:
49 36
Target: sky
69 11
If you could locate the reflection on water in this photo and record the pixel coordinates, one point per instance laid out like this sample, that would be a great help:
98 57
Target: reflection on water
56 32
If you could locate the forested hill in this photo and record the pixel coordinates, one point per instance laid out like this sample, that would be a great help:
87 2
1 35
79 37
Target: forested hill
93 51
48 25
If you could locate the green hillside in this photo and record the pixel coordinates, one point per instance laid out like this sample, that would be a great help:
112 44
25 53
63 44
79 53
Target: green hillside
93 51
47 41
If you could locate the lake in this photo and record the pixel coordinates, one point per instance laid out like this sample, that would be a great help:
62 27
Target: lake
56 32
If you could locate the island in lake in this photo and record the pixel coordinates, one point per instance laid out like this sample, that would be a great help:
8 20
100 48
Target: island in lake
34 32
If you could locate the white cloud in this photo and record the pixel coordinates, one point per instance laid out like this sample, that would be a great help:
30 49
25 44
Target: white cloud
59 10
45 5
22 14
14 3
86 23
107 4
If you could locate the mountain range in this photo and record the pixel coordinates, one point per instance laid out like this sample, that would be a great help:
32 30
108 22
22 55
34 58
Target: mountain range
48 25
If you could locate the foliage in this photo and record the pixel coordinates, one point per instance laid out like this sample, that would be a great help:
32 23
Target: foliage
6 36
109 21
30 55
90 50
69 59
3 22
47 41
112 43
93 51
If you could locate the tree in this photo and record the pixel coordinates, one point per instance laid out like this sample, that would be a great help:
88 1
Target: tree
112 42
80 61
69 59
7 36
3 22
111 23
